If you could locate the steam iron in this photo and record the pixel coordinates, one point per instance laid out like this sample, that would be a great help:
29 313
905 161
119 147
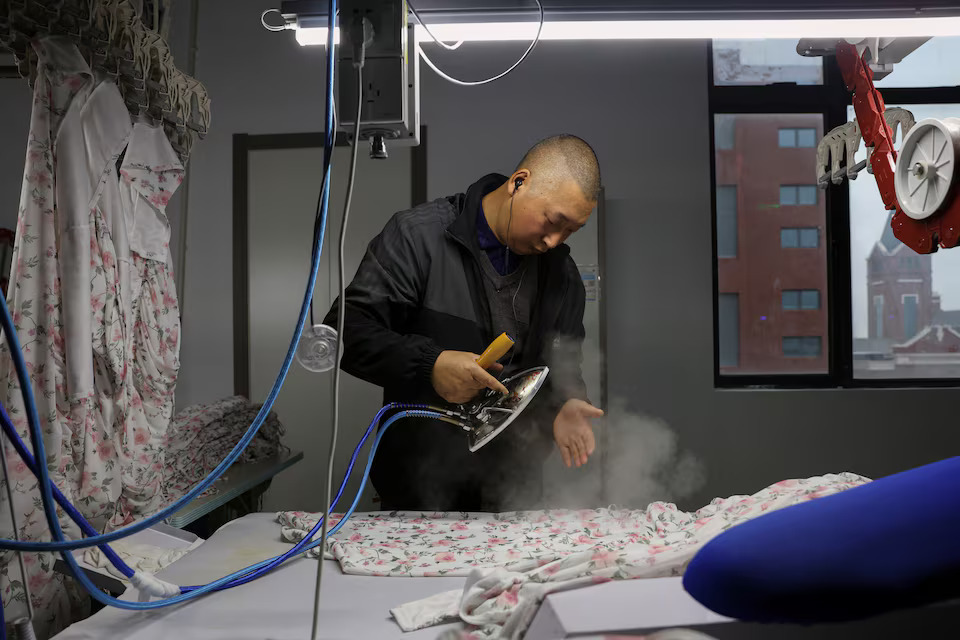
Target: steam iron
487 416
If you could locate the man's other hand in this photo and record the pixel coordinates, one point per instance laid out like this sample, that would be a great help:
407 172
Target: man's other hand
574 433
457 377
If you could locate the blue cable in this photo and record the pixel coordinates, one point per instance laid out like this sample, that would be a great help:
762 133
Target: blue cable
78 518
242 573
298 548
26 390
79 574
242 576
65 504
75 515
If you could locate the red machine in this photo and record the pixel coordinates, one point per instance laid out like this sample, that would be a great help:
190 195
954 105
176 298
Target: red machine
921 186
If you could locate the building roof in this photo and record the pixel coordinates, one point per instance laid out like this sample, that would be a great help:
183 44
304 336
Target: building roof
888 240
935 338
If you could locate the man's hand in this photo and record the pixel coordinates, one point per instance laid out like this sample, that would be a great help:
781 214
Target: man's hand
457 377
574 433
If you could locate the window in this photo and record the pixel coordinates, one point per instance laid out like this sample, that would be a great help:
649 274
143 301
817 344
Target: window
761 62
910 303
931 65
799 238
899 317
790 300
745 177
724 132
727 221
792 138
788 195
802 346
790 238
809 299
892 288
729 334
800 299
793 194
878 316
809 238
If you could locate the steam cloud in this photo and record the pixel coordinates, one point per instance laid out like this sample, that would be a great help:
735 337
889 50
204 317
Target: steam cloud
642 459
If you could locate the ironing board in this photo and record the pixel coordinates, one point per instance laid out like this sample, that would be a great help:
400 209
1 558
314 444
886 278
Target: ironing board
276 607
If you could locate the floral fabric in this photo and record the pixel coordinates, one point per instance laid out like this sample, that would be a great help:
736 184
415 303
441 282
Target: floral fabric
202 435
98 324
514 559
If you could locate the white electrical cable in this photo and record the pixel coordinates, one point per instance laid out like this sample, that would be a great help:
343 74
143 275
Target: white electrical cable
341 313
448 47
271 27
474 83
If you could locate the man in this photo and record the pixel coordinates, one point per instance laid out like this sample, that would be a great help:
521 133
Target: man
438 284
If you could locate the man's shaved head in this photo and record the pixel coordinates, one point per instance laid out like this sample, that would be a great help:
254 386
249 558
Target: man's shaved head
556 159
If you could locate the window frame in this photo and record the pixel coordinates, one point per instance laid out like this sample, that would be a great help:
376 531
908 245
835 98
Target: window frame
830 99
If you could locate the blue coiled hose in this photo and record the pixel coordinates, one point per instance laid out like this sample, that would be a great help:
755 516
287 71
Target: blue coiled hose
85 526
254 571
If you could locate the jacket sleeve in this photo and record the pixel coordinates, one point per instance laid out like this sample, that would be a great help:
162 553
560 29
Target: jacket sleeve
380 302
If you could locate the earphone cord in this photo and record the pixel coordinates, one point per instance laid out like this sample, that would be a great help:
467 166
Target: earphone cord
513 352
506 244
506 262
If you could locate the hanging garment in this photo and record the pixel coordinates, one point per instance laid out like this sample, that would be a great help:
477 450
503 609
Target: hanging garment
97 321
149 175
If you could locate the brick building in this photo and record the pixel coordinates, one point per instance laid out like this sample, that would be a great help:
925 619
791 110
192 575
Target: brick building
771 249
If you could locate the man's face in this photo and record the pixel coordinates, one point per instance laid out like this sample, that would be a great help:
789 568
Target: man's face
545 218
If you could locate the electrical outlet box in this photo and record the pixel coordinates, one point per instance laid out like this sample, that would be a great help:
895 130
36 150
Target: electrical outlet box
390 107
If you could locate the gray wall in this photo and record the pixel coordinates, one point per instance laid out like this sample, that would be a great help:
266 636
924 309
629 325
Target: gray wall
644 107
14 126
259 82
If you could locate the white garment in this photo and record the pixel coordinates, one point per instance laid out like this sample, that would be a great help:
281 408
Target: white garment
89 138
500 602
429 612
150 163
143 557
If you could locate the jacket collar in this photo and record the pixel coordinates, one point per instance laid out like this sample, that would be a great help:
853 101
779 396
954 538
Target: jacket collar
470 205
464 227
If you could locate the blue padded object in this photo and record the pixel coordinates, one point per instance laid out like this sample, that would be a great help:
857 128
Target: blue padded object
890 544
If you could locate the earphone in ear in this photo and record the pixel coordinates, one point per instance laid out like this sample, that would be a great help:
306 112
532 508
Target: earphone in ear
517 183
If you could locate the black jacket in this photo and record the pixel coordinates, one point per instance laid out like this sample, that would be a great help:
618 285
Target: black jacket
418 291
